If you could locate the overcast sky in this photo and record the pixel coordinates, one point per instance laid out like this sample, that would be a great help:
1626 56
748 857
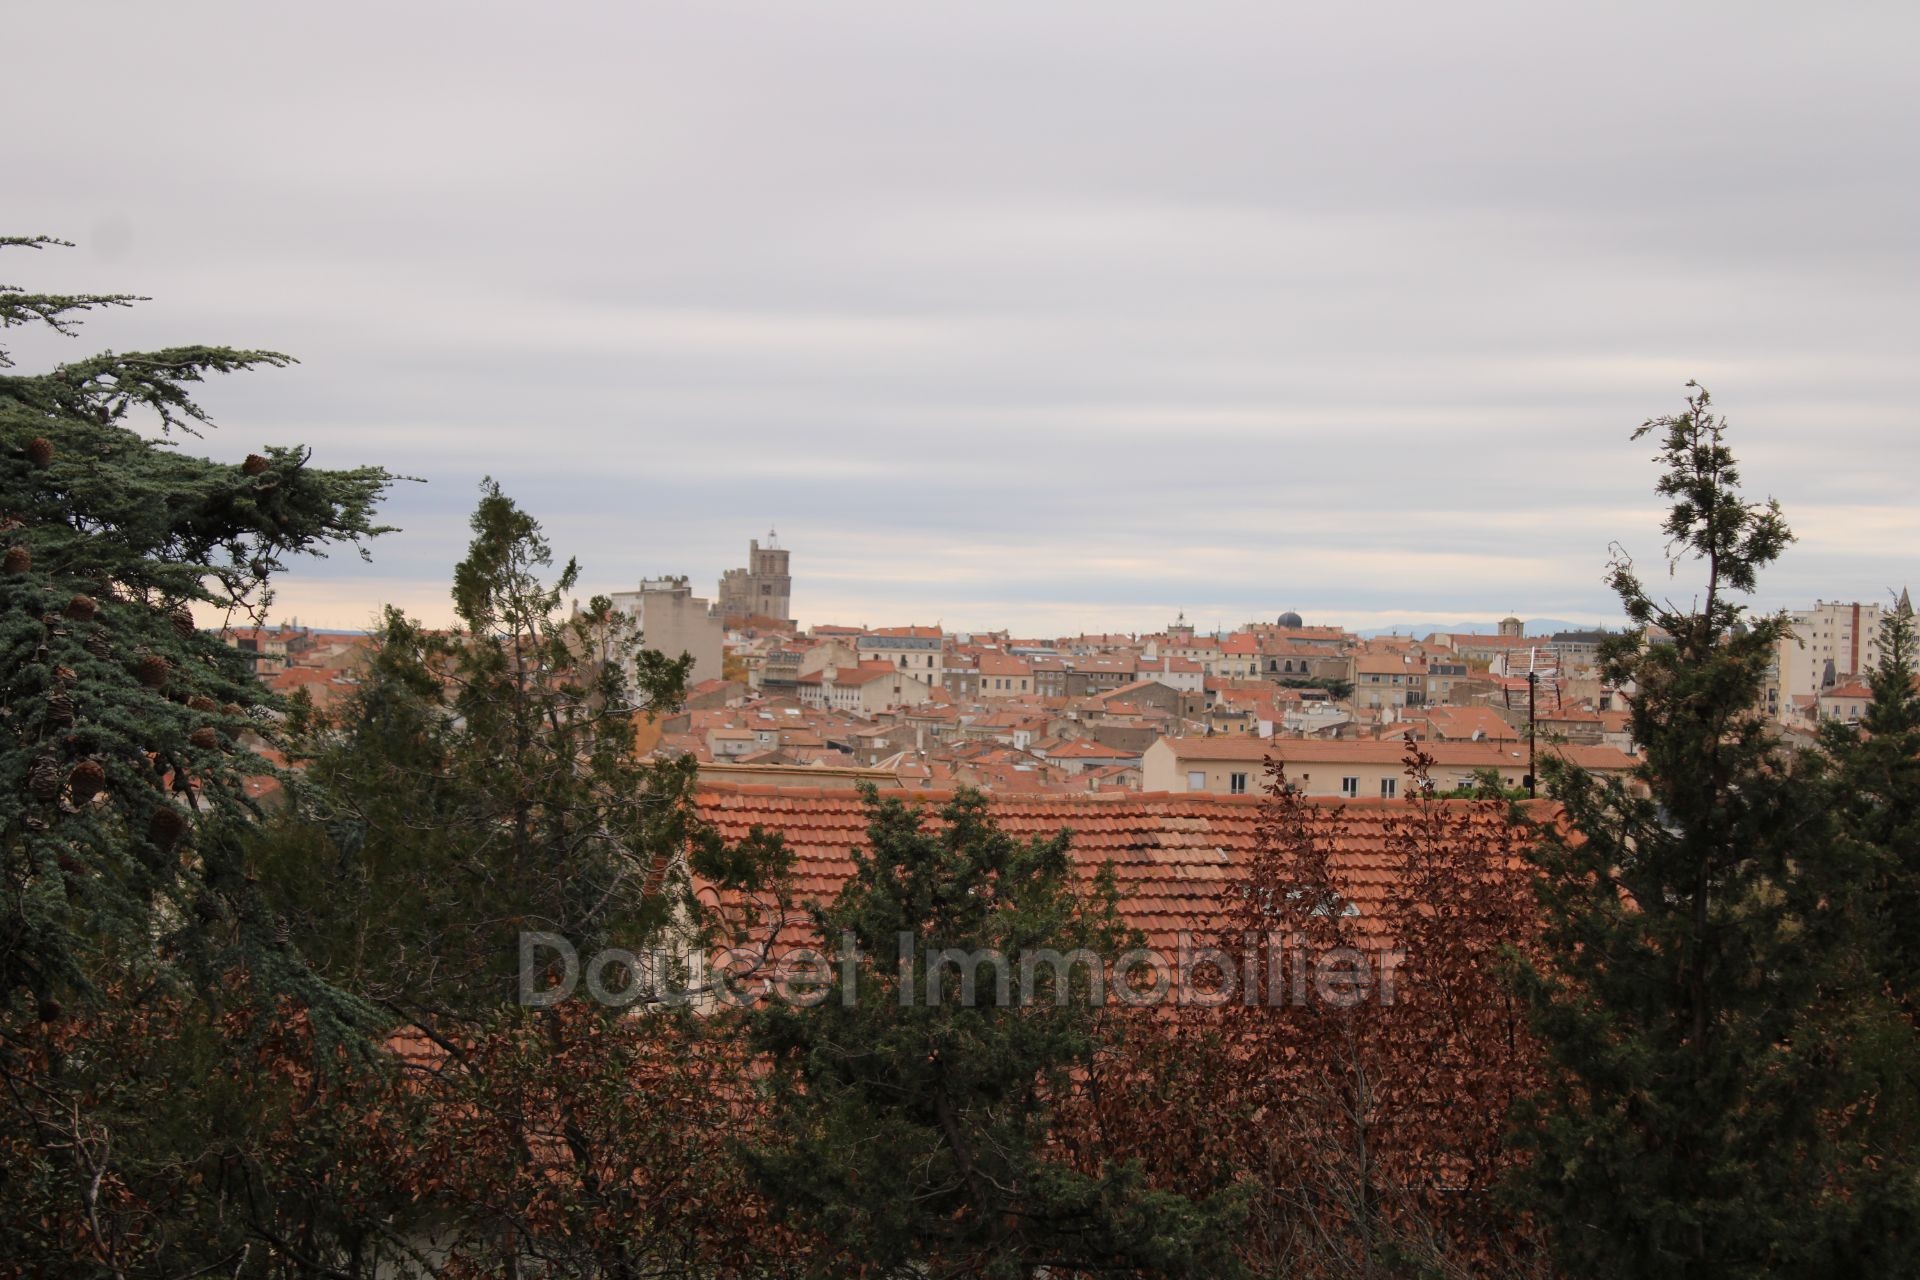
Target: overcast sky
1039 315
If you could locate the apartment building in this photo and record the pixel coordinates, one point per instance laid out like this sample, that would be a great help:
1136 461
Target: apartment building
1829 643
866 689
916 650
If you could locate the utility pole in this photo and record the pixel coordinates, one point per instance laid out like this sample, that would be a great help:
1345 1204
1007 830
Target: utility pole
1533 683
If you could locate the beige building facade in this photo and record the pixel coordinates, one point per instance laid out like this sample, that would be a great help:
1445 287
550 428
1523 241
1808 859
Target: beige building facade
672 620
918 650
1830 643
866 689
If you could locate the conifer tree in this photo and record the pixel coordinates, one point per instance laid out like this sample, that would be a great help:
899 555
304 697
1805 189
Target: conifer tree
123 731
1878 797
1705 1113
482 782
917 1136
134 935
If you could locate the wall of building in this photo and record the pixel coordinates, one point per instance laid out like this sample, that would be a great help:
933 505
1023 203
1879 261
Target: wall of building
1847 635
672 620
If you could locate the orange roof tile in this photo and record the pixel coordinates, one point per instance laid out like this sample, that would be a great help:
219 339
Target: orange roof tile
1174 857
1852 690
1002 664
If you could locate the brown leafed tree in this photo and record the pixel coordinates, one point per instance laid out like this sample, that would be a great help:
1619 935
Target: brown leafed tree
1364 1110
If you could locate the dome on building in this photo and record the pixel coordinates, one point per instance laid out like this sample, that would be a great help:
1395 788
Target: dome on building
1291 619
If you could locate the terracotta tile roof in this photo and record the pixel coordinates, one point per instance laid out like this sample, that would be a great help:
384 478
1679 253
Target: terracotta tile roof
1462 723
865 673
1174 856
993 663
1111 696
1111 770
1087 749
295 677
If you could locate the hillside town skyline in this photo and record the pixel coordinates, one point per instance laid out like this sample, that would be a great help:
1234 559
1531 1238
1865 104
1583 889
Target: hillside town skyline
1091 641
1177 708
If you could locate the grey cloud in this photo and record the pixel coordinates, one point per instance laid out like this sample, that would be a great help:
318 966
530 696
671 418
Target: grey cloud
1045 312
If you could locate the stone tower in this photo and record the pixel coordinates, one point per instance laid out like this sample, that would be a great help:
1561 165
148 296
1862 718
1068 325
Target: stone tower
764 588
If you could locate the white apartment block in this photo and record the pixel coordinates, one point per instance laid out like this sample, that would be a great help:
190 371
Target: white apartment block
1829 643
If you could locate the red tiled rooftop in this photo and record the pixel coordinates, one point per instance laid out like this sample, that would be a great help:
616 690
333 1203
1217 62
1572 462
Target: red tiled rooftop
1174 857
1086 748
1854 690
1002 664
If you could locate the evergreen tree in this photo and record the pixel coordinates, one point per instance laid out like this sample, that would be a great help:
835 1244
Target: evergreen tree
1878 796
483 782
917 1137
136 943
122 751
1706 1113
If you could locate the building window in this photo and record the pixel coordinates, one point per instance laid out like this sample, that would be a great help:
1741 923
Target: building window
1350 787
1389 786
1197 780
1237 783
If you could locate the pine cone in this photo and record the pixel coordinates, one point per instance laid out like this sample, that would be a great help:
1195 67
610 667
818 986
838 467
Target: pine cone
98 645
43 780
40 452
87 780
182 619
205 738
18 562
235 711
202 703
254 464
166 826
63 676
82 608
153 671
60 707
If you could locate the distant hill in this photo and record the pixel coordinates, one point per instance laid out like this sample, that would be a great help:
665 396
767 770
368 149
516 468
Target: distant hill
1535 627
